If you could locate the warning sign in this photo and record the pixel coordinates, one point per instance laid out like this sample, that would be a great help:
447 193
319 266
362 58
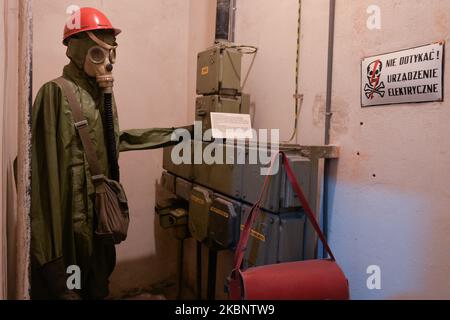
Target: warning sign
413 75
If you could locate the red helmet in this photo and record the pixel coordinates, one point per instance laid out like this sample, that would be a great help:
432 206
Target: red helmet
87 19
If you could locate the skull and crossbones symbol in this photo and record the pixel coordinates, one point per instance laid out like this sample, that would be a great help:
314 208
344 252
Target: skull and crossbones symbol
374 75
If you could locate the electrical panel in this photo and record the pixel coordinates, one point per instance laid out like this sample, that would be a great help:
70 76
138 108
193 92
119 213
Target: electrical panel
219 71
262 247
200 202
242 181
219 103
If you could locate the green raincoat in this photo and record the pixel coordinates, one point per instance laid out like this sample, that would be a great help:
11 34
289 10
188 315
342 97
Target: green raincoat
62 211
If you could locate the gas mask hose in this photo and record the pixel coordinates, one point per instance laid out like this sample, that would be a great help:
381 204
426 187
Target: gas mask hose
110 136
99 64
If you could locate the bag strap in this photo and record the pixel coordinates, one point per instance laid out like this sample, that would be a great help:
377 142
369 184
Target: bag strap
82 127
301 196
245 234
254 211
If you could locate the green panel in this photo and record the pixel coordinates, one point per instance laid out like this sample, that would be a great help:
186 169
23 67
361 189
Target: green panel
214 103
231 71
302 169
219 71
208 71
183 188
245 104
199 204
182 170
224 218
204 105
251 174
262 248
291 243
223 178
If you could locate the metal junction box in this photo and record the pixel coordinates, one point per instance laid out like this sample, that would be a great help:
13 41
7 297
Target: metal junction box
215 103
219 71
169 218
222 178
224 218
243 181
200 202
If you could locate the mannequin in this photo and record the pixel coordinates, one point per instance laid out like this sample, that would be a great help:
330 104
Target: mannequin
63 208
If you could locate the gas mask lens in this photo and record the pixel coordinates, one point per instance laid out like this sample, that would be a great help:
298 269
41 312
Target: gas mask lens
97 55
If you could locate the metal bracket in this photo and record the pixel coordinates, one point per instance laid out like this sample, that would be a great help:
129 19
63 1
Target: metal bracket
316 152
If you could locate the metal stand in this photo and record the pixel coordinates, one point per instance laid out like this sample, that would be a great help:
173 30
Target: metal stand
212 271
180 267
199 270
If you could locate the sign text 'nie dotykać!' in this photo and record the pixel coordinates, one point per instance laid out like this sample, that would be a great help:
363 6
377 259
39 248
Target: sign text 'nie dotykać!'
413 75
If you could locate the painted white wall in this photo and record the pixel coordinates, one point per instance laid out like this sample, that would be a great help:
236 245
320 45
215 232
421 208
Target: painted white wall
398 219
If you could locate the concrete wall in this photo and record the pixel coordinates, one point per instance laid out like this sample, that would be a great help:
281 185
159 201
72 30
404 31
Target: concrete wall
153 87
390 204
397 219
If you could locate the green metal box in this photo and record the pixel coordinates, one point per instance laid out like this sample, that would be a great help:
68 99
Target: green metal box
172 217
262 247
223 178
184 170
219 71
199 204
292 236
217 103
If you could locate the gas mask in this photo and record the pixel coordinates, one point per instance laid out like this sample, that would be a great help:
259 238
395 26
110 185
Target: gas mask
99 62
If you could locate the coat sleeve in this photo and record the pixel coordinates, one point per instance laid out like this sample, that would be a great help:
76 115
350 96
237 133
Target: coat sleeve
152 138
46 208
